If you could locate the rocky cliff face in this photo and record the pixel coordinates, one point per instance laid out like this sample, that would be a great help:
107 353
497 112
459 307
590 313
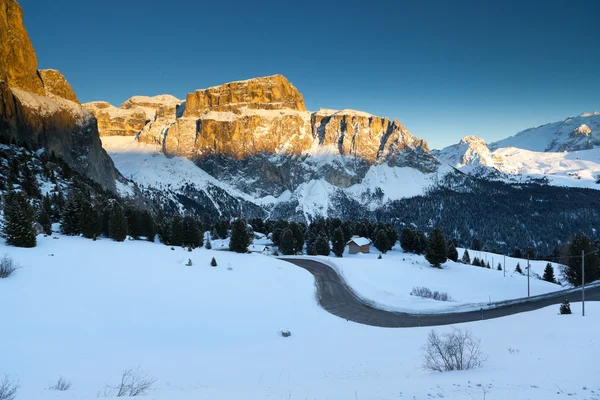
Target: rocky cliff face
18 63
38 109
471 150
113 121
55 84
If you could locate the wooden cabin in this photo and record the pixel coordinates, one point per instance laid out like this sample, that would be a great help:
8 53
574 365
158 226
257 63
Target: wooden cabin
359 245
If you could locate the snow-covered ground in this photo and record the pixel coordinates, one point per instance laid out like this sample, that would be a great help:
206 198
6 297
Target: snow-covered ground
87 309
389 281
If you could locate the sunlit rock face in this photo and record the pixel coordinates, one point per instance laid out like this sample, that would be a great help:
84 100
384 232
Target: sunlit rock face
113 121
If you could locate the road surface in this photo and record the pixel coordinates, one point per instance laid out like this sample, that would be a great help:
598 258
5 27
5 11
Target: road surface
335 296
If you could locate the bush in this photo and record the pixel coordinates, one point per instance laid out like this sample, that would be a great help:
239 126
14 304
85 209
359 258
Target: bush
286 333
213 262
428 294
133 383
62 384
189 263
8 389
454 351
565 307
7 267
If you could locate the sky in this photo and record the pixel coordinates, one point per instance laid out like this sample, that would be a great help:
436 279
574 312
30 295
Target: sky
445 69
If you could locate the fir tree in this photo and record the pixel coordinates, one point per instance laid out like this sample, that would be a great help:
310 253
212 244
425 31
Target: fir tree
298 234
337 242
239 239
311 249
420 243
90 223
466 258
488 266
148 226
286 242
381 242
452 252
572 271
213 262
117 224
29 182
407 240
176 232
437 249
18 221
499 268
222 227
44 215
476 244
208 244
322 246
517 253
518 269
71 216
549 274
190 234
565 307
476 262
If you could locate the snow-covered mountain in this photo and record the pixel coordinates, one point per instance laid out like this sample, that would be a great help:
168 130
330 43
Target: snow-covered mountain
574 133
564 153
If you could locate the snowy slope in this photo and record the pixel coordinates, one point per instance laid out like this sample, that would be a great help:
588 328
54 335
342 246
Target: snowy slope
86 310
574 133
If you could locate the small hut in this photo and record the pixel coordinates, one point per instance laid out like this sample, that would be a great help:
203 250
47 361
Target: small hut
359 245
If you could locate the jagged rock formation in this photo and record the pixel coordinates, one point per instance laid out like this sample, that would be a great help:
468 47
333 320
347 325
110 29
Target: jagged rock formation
55 84
18 63
37 114
113 121
151 104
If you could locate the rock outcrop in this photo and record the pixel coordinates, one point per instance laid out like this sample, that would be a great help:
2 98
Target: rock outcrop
471 150
151 104
39 115
113 121
266 93
55 84
18 62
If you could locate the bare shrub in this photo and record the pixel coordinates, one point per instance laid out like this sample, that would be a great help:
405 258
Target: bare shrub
62 384
7 266
8 389
134 382
454 351
425 293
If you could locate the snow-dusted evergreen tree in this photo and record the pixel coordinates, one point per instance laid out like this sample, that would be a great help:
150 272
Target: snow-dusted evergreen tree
44 215
176 232
565 307
286 242
572 271
499 268
213 262
381 242
549 274
298 234
322 246
117 223
466 258
337 242
18 221
437 248
518 269
407 240
452 252
147 225
421 244
29 182
69 224
190 233
90 222
239 239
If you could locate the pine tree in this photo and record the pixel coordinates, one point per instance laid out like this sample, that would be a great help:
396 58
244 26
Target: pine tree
44 215
476 262
29 182
518 269
298 234
549 274
222 227
322 246
90 223
208 245
499 268
466 258
117 224
71 216
421 243
18 221
337 242
407 240
517 253
488 266
565 307
239 239
190 234
476 244
213 262
452 252
176 232
311 249
572 271
286 242
381 242
148 226
437 249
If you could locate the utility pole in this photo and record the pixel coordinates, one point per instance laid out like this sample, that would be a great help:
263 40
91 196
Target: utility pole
582 283
504 269
528 273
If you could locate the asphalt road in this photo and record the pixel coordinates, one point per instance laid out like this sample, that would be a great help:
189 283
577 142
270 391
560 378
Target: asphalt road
335 296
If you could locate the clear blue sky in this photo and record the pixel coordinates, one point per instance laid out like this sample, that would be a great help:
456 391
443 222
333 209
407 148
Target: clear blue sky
445 69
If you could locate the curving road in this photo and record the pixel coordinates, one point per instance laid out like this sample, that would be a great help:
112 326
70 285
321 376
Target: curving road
335 296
